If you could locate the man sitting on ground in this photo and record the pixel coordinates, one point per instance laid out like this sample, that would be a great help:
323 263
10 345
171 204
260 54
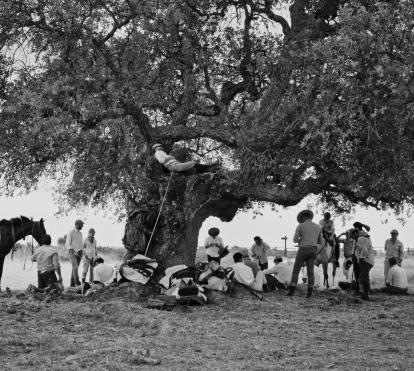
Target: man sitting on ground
102 273
244 274
281 272
396 281
48 265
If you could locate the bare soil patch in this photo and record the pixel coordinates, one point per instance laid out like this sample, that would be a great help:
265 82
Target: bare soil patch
331 331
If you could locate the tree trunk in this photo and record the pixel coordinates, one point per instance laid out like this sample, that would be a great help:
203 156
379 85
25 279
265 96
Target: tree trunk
189 200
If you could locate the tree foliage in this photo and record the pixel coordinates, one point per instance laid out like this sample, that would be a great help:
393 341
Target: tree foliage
345 123
318 103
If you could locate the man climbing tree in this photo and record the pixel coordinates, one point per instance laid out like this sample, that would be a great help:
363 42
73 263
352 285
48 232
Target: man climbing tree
313 98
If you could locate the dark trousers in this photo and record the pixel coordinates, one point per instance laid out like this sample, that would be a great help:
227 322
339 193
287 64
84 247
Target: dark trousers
273 283
75 260
347 285
364 269
263 266
305 255
355 266
337 251
211 258
45 279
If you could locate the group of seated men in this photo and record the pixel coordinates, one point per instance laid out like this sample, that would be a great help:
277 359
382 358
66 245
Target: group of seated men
396 281
248 272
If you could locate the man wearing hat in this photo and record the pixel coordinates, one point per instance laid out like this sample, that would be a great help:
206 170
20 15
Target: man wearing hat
394 248
308 235
259 251
74 244
213 245
172 164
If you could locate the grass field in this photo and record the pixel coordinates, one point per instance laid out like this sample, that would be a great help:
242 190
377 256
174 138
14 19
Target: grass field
332 331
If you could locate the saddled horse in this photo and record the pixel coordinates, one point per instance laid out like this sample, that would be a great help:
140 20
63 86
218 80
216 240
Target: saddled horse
325 255
14 230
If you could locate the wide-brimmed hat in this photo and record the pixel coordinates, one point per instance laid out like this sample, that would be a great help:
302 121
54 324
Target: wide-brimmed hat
394 231
303 213
214 232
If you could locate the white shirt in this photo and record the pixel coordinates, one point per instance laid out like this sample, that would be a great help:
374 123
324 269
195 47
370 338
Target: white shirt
89 248
397 277
259 252
103 273
74 240
212 246
47 258
243 274
227 261
162 157
282 271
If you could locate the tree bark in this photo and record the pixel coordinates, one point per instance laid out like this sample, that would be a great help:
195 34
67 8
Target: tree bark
175 224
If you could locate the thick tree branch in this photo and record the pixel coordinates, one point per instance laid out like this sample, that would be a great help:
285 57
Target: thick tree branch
139 117
267 9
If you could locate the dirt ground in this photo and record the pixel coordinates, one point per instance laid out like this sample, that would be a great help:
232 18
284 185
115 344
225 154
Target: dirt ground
332 331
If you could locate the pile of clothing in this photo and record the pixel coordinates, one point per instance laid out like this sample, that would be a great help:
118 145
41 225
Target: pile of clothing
188 284
181 282
139 269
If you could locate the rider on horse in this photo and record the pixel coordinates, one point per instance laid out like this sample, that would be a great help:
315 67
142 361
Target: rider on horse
328 233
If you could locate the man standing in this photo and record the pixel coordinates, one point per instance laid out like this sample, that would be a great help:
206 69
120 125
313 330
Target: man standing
308 235
213 244
259 251
89 253
48 265
74 244
394 248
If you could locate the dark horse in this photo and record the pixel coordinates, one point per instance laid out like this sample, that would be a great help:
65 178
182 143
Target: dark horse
14 230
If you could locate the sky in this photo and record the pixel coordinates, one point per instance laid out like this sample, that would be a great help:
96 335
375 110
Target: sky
271 225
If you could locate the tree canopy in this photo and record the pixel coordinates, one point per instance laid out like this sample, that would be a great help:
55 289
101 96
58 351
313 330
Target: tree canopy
317 99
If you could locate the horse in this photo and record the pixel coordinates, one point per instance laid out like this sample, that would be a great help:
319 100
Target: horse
325 255
14 230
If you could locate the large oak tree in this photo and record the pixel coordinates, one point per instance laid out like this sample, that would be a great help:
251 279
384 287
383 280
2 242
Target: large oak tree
319 101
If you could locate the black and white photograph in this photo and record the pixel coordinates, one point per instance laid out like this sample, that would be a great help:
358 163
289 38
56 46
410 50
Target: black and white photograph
207 185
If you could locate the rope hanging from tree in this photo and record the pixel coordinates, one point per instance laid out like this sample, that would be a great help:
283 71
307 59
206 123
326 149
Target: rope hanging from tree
159 212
